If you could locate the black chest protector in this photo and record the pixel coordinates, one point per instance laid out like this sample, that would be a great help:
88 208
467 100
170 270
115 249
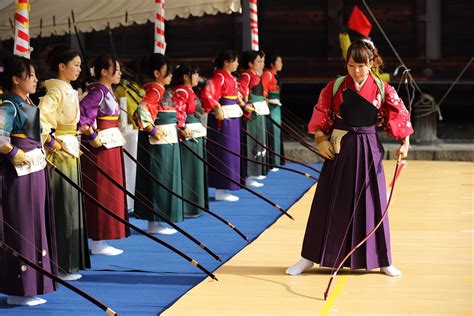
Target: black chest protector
356 110
30 116
258 89
167 100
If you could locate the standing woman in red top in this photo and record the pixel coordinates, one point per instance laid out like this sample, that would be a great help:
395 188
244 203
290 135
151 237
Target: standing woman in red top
158 148
351 195
100 134
185 77
271 90
251 88
221 96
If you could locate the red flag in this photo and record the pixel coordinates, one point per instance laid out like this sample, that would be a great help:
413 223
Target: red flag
358 22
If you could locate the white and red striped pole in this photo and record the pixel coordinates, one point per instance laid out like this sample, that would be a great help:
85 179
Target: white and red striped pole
22 29
160 44
254 24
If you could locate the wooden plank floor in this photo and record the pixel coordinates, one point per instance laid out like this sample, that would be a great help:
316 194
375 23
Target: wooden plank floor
431 218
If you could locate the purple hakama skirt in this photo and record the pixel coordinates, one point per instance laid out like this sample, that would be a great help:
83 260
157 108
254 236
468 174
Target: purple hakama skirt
27 225
228 136
350 186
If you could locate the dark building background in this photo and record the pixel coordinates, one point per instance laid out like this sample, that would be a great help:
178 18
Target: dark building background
305 33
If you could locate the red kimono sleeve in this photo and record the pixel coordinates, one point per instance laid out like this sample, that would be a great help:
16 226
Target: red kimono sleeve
180 99
266 78
89 106
148 109
396 118
243 85
212 92
323 111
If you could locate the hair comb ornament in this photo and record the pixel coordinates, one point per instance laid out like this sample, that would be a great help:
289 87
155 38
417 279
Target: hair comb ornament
369 43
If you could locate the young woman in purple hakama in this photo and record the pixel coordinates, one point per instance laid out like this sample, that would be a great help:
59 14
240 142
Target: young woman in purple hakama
351 194
221 97
26 214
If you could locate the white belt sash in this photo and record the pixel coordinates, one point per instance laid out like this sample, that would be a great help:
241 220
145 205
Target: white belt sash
170 135
111 138
261 108
232 111
36 162
274 101
196 129
336 137
70 144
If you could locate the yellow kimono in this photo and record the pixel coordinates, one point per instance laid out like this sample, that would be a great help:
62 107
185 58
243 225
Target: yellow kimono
133 100
59 112
59 109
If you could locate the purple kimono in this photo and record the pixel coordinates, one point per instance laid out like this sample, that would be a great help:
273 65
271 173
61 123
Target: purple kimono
26 207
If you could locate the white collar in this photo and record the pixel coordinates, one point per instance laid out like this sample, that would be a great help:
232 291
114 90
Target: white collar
359 86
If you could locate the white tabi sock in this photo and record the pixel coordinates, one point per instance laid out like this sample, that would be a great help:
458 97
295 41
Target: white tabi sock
69 276
391 271
101 247
250 182
223 195
189 215
274 169
300 267
158 228
25 300
260 177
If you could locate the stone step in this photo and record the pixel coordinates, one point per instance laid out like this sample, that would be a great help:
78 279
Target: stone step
442 151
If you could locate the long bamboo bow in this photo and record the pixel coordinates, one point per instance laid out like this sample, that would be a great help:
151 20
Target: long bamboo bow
273 152
296 137
148 205
161 184
398 169
50 275
126 223
278 207
307 175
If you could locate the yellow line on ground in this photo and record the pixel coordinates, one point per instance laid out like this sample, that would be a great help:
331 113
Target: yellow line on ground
333 295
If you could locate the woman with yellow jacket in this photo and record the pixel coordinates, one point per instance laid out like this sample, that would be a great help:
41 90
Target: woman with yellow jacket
59 114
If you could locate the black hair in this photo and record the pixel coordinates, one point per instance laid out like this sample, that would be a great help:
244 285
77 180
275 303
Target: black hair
362 52
182 70
15 66
60 54
227 55
249 56
154 62
270 59
104 61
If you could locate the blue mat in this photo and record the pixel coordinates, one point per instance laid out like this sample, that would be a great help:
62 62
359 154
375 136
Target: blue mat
148 278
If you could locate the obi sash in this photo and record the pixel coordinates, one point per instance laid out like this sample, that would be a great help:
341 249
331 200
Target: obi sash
68 136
